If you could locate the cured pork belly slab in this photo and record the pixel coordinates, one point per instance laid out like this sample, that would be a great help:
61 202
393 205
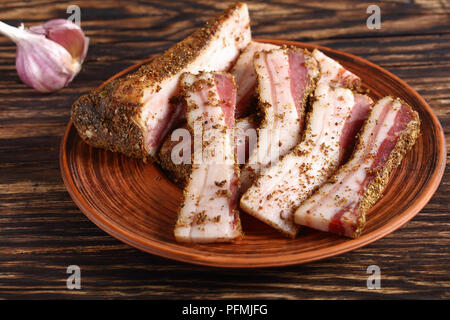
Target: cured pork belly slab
245 75
132 114
340 205
179 171
335 117
209 211
286 77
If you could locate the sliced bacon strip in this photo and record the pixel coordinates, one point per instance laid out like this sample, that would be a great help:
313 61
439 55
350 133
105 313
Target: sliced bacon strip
286 77
245 76
132 114
281 188
341 204
208 213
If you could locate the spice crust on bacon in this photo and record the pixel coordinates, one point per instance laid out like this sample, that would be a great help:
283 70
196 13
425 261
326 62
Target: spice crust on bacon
332 123
281 188
132 114
341 204
286 79
209 209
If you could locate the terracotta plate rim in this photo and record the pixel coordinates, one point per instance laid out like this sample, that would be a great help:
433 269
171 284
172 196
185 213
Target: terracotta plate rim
285 260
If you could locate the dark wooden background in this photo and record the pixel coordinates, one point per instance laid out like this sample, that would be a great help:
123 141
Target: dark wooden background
42 231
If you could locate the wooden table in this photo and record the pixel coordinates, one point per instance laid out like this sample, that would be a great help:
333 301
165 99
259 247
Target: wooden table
42 232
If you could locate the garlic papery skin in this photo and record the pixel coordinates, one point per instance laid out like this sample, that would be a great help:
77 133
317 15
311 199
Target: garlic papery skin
42 63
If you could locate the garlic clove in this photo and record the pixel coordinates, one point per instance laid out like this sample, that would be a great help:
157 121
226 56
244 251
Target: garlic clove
67 34
44 63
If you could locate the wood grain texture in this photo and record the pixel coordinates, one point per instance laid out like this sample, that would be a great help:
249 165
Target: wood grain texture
42 231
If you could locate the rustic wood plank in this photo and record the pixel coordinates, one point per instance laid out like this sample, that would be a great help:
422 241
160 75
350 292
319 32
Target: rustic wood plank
42 231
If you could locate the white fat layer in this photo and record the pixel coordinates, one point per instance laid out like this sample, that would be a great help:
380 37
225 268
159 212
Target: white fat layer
232 37
281 188
318 211
280 130
213 164
244 72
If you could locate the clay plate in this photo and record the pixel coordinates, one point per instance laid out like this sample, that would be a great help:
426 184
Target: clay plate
137 204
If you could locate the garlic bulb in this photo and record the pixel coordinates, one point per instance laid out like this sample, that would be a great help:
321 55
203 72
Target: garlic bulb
49 56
